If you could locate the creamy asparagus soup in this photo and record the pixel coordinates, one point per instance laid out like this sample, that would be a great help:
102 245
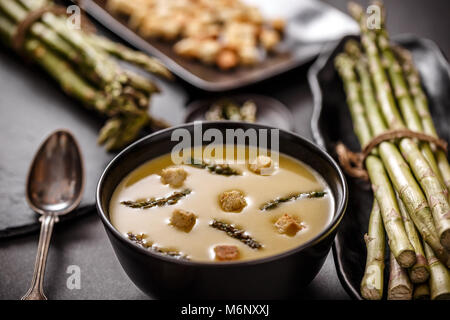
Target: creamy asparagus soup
210 210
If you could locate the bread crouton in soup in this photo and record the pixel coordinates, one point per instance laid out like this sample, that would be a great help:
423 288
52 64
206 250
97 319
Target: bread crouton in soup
173 176
226 252
182 219
232 201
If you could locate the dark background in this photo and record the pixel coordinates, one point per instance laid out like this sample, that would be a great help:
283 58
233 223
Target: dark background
83 242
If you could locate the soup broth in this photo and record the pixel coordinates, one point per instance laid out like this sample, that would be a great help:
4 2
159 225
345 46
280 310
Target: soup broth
220 213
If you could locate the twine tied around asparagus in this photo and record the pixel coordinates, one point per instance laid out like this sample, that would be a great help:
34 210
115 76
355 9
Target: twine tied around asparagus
34 15
353 162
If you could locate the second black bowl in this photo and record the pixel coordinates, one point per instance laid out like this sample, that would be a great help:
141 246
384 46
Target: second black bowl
275 277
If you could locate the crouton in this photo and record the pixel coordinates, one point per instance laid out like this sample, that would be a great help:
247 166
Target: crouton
288 225
248 55
227 59
226 252
232 201
173 176
262 165
269 39
183 220
279 25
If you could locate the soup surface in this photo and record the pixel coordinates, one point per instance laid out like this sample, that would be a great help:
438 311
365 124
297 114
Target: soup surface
264 231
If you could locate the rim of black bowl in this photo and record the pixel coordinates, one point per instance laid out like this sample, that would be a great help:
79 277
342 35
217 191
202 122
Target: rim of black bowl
337 218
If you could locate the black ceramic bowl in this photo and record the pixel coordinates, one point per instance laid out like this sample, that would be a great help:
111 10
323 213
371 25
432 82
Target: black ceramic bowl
274 277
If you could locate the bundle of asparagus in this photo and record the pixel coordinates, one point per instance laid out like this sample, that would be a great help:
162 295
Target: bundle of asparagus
83 64
410 178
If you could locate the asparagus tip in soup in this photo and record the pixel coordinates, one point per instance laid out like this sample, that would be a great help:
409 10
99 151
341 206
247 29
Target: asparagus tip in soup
222 169
272 204
141 240
236 233
157 202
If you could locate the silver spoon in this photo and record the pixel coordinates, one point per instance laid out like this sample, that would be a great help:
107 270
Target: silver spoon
54 187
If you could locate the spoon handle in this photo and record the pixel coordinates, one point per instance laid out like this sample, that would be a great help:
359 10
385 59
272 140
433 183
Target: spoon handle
36 291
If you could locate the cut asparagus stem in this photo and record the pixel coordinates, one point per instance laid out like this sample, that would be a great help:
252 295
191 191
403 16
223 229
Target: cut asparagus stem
436 196
372 282
382 188
439 276
419 272
399 287
398 240
421 292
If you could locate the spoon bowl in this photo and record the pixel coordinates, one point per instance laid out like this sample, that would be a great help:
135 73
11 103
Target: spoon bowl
55 179
54 187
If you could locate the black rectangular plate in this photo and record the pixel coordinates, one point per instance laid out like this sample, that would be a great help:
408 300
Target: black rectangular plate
331 123
305 36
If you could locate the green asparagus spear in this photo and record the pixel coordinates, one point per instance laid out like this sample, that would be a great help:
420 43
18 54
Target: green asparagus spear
138 58
419 272
400 287
421 104
372 282
439 276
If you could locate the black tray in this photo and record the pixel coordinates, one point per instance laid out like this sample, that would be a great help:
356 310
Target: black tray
303 41
331 123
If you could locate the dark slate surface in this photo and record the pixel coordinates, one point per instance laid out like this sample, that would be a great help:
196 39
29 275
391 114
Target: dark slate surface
32 108
83 242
